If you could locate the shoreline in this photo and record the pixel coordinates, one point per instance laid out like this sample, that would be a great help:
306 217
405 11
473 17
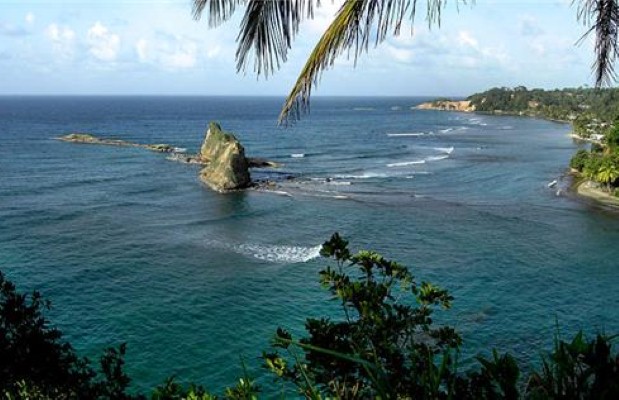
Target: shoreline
583 188
458 107
584 139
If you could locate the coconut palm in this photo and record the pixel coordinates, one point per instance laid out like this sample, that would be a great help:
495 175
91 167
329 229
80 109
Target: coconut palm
607 174
268 28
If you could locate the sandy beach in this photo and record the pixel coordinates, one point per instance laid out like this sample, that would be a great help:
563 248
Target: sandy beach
587 189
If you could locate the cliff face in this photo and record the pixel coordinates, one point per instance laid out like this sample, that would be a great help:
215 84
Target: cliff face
447 105
228 168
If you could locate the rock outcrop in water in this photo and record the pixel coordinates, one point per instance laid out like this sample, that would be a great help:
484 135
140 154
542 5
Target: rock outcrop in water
228 168
447 105
91 139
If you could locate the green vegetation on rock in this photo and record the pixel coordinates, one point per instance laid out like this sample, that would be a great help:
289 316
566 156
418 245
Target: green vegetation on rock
228 168
80 137
214 140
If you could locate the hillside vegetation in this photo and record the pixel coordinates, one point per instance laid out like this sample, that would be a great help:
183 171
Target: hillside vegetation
560 104
594 116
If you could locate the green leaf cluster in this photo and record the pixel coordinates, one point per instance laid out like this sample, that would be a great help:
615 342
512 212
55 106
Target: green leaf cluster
386 346
601 164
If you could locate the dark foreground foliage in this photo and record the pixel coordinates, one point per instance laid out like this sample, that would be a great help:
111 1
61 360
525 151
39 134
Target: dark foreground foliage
384 345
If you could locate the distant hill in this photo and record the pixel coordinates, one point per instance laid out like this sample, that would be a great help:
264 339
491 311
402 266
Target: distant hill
564 104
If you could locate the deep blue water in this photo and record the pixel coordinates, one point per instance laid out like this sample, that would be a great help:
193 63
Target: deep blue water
131 247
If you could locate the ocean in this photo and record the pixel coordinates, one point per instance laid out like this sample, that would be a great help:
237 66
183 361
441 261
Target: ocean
131 247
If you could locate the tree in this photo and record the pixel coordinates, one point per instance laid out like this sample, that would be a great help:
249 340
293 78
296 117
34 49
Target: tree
579 160
385 334
36 363
385 345
608 172
269 27
592 166
612 137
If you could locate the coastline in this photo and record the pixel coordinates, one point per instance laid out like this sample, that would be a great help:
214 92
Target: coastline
464 106
585 189
584 139
581 187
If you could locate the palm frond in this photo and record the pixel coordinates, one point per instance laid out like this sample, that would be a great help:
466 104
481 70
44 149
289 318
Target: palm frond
268 27
603 16
218 11
341 34
351 30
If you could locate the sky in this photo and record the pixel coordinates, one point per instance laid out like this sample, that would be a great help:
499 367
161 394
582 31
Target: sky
140 47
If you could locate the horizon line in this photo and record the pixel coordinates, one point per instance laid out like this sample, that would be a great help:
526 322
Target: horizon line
207 95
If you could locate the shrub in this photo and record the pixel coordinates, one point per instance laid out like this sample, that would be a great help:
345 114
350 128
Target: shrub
579 160
36 363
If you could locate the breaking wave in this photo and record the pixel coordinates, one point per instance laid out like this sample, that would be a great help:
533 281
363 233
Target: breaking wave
406 163
408 134
446 150
279 253
437 158
364 175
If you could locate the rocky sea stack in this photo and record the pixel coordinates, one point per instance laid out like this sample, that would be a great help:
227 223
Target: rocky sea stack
225 166
228 168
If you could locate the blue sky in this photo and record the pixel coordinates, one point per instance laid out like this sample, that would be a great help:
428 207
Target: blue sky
155 47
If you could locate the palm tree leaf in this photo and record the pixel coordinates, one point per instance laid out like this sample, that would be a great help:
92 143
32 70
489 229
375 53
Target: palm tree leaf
603 15
351 29
338 36
218 11
268 28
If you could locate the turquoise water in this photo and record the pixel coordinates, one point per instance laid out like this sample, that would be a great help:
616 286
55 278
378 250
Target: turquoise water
131 247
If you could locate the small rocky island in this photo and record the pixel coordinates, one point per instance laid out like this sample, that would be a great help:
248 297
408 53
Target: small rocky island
226 168
91 139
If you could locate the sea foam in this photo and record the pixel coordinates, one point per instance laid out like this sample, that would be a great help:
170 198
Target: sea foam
406 163
405 134
446 150
280 253
364 175
437 158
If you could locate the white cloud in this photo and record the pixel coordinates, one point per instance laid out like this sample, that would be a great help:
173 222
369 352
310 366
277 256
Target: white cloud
60 33
104 45
184 56
171 52
63 40
29 18
213 52
141 47
323 16
466 39
538 48
399 54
